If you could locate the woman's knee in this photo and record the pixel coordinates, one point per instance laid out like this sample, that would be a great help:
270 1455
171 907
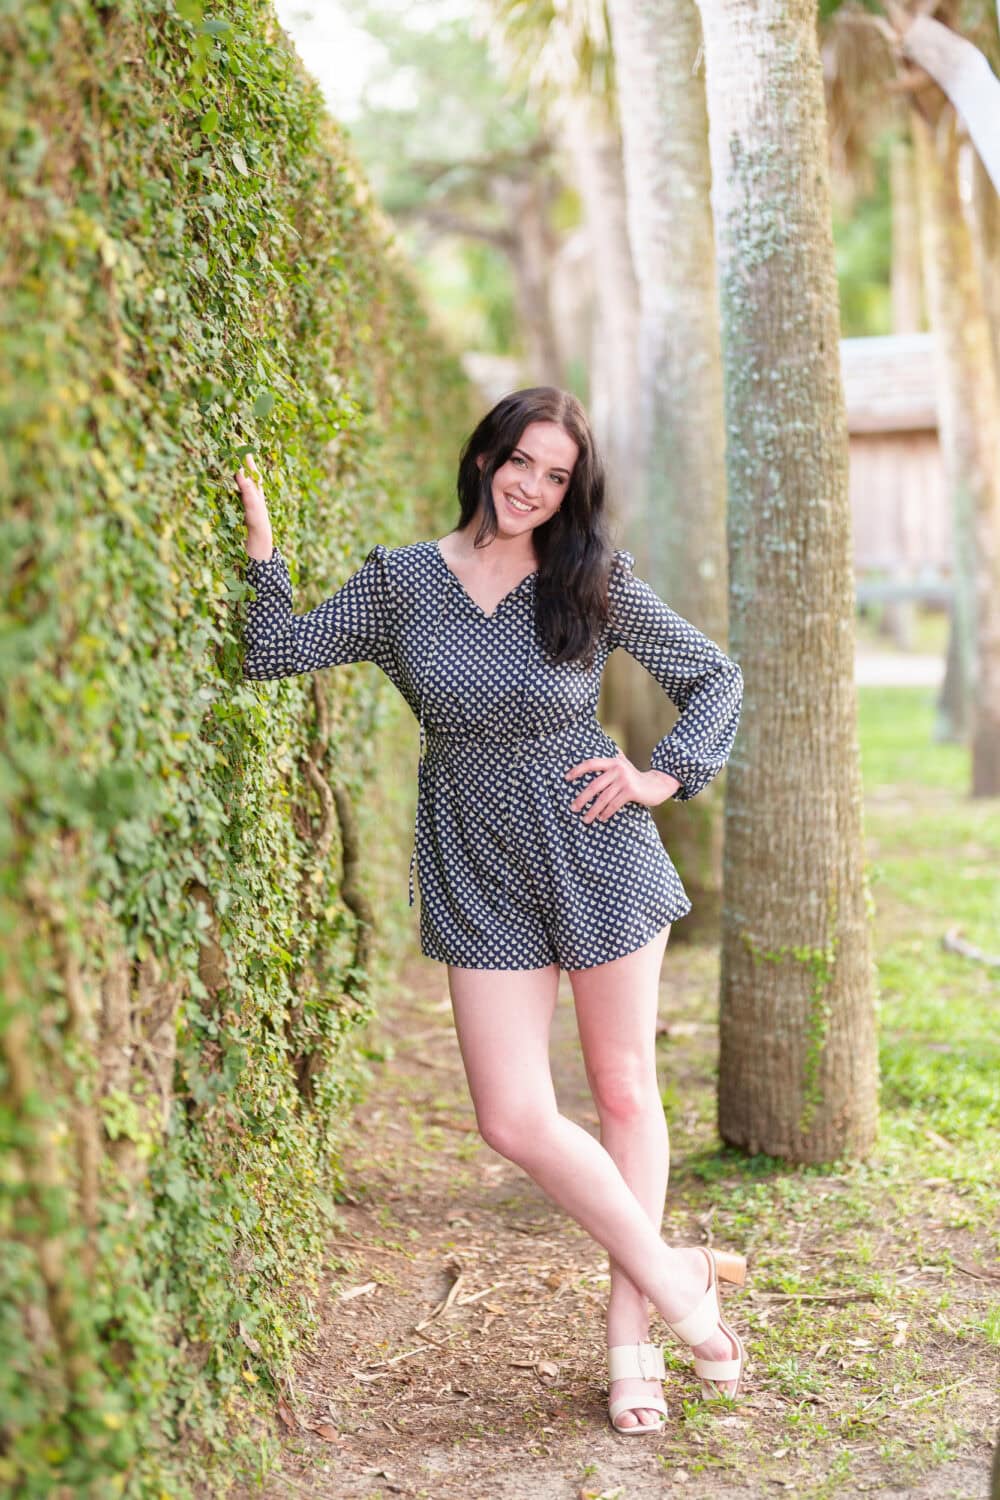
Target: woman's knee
625 1092
517 1134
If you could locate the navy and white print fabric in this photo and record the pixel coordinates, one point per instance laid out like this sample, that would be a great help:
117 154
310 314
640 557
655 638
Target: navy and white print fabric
510 877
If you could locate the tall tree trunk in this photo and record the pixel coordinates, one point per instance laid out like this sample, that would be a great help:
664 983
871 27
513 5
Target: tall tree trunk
591 140
969 418
798 1071
592 143
986 240
524 202
898 618
906 286
678 526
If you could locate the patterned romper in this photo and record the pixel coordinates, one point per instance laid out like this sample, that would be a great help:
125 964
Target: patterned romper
509 876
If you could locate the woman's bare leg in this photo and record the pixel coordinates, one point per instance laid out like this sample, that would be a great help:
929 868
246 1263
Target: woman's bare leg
502 1018
616 1007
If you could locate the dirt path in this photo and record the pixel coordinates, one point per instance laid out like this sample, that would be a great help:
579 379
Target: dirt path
461 1353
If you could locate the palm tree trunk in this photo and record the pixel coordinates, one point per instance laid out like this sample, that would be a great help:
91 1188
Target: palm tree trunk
969 416
907 297
532 248
986 239
678 526
906 285
590 139
798 1072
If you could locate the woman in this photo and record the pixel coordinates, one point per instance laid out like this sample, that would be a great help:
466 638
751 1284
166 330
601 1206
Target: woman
534 843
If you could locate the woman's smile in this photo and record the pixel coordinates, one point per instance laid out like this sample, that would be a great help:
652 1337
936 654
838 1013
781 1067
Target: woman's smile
519 506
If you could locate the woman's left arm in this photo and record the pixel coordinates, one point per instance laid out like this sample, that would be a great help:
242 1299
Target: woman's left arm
696 675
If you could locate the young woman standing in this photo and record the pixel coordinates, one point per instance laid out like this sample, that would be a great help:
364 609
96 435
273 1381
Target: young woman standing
534 844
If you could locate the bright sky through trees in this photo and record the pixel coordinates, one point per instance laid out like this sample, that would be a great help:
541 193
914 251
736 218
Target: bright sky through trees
341 54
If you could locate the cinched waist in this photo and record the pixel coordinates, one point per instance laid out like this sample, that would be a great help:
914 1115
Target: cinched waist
443 741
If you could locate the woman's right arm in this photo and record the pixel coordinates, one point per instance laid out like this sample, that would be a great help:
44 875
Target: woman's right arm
354 624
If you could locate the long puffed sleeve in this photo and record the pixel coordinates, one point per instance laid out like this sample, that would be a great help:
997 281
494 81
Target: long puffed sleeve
354 624
696 675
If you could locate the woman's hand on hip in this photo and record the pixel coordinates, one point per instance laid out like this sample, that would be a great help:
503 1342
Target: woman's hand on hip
618 781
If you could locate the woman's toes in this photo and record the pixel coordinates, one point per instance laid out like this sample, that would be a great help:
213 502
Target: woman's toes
637 1415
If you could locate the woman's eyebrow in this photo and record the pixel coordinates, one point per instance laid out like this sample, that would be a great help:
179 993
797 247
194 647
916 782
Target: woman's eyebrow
555 468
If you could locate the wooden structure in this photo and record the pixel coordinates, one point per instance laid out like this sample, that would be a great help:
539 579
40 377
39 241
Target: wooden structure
899 499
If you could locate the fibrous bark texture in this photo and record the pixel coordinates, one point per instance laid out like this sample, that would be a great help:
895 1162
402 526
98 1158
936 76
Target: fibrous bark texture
969 420
677 526
798 1072
907 289
591 139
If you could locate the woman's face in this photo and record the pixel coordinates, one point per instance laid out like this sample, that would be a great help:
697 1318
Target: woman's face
530 486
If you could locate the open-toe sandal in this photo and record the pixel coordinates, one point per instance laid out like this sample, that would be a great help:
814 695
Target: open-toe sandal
706 1316
639 1362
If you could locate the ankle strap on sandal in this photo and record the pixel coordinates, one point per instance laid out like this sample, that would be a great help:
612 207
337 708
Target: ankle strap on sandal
636 1361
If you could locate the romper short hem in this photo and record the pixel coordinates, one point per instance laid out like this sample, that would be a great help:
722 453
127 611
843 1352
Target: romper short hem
631 944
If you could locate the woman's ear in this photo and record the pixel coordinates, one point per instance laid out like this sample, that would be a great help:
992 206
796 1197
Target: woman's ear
480 460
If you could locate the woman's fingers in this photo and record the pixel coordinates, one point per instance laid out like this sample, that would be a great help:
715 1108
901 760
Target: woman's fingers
606 792
248 478
605 808
596 763
618 781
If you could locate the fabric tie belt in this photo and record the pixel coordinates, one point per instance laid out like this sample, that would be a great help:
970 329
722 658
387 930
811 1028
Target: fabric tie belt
437 741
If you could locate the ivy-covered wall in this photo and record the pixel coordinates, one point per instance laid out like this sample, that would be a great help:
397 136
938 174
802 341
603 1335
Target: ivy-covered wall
194 919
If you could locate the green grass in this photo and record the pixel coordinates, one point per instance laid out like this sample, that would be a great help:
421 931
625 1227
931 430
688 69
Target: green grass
873 1345
935 857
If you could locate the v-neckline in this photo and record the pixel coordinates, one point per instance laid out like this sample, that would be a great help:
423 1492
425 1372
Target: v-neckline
475 604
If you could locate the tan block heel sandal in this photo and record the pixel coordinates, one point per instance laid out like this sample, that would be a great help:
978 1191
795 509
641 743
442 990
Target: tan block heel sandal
706 1316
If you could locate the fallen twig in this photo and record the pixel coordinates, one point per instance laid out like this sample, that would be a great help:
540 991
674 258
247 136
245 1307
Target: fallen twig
421 1334
924 1396
381 1374
812 1296
953 943
981 1273
442 1307
475 1296
357 1291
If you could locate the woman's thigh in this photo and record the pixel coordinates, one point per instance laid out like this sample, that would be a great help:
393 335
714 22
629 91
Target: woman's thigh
616 1009
502 1019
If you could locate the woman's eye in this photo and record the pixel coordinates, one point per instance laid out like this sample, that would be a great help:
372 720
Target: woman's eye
517 459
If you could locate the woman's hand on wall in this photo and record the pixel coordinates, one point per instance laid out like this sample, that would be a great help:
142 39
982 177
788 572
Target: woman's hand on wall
260 543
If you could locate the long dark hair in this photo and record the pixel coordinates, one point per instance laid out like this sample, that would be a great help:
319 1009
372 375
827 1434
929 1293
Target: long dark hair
573 546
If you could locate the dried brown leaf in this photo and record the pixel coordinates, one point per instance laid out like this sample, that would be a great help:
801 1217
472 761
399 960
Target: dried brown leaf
286 1416
327 1432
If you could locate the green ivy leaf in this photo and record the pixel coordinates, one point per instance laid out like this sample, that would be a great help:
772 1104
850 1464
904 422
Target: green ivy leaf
209 122
240 162
263 404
